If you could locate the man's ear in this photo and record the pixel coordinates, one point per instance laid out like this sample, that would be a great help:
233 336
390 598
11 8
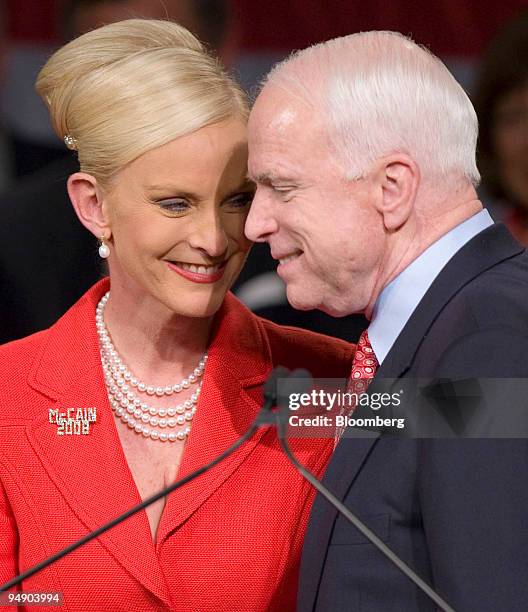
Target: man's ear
399 178
87 200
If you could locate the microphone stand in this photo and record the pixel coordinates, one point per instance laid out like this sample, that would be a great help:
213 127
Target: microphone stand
265 417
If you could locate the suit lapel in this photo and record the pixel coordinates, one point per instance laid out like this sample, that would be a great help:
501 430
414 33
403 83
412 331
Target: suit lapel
224 414
92 474
488 248
345 464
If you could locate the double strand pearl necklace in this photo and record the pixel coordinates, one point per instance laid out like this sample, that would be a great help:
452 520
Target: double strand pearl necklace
129 407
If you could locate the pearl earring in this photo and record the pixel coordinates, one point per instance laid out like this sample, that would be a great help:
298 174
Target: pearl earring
104 249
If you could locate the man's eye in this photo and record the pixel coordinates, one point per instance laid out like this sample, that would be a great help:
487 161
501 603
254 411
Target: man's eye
284 192
174 205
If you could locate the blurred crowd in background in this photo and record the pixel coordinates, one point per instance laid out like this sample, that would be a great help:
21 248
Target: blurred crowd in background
47 260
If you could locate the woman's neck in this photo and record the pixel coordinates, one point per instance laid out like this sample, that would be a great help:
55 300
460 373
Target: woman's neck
157 345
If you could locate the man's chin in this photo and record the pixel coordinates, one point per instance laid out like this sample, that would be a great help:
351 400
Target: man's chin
307 300
301 300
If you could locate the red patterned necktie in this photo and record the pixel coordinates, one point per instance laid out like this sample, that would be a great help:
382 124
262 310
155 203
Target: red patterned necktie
364 366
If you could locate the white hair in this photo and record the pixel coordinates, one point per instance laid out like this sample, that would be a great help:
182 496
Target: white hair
381 93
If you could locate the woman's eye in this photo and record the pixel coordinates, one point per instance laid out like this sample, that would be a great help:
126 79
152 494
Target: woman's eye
242 200
174 205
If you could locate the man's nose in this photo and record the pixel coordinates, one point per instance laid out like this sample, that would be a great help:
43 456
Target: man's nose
261 221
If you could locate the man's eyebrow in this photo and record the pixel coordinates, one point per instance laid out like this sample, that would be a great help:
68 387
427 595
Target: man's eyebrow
267 178
264 177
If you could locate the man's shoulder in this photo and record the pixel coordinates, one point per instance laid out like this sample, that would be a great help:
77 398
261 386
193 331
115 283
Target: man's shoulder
507 273
498 296
474 319
293 347
483 328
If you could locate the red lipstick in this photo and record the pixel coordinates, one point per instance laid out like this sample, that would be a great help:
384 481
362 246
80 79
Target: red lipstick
196 277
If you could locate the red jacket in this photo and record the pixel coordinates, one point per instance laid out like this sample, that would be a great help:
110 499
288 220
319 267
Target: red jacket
228 541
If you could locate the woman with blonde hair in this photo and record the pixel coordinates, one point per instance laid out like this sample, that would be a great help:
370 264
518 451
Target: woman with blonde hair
158 368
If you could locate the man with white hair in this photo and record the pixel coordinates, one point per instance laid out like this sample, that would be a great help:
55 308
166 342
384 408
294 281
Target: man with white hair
363 152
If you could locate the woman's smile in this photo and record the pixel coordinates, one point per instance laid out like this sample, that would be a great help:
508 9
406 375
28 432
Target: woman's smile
199 273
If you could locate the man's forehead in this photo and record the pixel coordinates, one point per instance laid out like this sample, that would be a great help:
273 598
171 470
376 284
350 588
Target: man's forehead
283 119
277 110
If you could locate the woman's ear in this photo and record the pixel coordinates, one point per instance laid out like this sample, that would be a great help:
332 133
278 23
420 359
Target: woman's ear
87 200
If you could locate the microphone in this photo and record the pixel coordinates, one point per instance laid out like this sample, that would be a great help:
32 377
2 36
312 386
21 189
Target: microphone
304 382
270 394
270 391
296 381
264 417
277 389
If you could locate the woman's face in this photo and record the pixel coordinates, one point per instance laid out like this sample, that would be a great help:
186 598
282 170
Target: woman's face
510 142
177 217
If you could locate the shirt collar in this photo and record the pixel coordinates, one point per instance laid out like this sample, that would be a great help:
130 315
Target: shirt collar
401 296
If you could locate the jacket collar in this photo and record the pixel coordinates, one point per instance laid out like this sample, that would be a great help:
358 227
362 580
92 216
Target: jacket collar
485 250
91 471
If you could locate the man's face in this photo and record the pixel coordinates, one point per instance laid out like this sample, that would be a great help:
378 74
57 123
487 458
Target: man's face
323 228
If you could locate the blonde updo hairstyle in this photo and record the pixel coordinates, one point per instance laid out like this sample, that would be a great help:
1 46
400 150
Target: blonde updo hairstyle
132 86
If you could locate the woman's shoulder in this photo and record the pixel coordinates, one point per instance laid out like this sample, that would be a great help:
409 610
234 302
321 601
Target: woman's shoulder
293 347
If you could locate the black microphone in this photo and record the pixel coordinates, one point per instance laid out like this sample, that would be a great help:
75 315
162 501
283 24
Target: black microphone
277 389
270 394
264 417
301 385
270 390
297 381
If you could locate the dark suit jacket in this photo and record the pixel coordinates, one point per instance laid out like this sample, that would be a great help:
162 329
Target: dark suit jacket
455 510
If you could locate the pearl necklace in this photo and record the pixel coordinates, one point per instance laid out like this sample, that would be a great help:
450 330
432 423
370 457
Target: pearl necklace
128 406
